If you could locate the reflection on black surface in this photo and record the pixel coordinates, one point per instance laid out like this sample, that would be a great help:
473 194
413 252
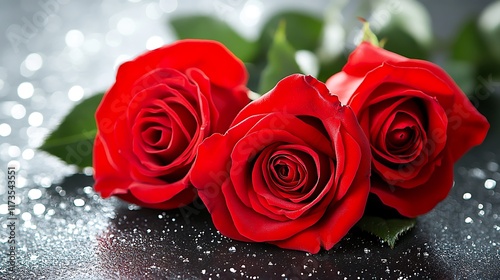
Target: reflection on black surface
113 240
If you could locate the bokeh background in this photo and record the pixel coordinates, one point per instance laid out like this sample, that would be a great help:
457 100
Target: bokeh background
55 53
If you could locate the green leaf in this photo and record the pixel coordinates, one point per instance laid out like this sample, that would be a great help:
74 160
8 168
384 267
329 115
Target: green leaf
463 73
205 27
73 140
281 61
388 230
469 45
368 35
303 30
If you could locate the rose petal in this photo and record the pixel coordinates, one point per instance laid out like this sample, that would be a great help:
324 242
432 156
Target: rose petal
404 200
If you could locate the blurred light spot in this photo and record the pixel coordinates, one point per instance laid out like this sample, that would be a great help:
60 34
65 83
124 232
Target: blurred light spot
26 216
113 38
75 93
307 62
92 45
126 26
5 130
4 209
21 181
15 164
18 111
35 119
38 209
490 184
74 38
251 13
492 166
24 71
45 182
153 11
25 90
28 154
79 202
154 42
34 194
77 56
168 6
33 62
38 101
333 42
488 20
14 151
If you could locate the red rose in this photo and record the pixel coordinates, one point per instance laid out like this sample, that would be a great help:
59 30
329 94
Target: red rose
418 122
292 170
151 121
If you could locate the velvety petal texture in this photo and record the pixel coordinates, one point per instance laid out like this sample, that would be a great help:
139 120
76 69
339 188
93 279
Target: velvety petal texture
418 122
151 121
292 170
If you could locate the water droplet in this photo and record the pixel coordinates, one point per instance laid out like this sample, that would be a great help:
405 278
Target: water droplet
366 250
34 194
87 189
467 196
232 249
203 271
79 202
469 220
38 209
490 184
